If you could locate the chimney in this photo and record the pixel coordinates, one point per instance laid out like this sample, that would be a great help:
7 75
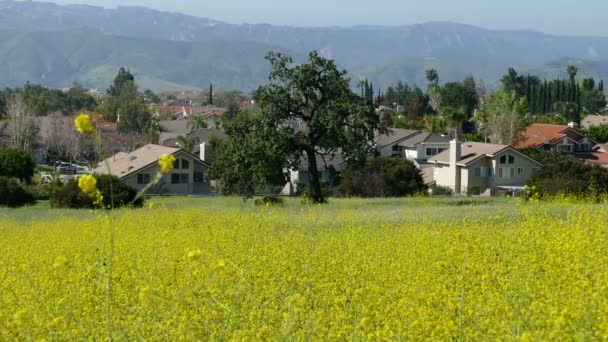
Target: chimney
203 152
571 125
118 118
455 156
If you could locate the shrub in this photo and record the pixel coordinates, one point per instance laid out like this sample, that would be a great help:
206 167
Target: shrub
13 195
562 174
383 177
111 188
441 191
272 200
18 164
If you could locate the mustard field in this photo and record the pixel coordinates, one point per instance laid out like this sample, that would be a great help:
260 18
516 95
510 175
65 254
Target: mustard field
221 269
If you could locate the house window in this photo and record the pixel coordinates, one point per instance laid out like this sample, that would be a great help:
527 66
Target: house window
506 172
520 171
585 147
433 151
184 164
143 178
490 172
564 148
477 172
507 159
198 177
179 178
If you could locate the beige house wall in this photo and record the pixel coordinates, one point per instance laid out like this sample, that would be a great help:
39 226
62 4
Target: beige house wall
486 184
165 186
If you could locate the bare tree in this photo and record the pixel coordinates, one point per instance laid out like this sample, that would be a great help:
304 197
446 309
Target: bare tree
434 99
503 117
59 138
20 127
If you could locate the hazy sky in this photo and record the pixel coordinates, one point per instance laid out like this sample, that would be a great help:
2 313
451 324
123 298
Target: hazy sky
576 17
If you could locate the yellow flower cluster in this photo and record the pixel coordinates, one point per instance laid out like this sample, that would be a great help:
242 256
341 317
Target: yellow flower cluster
352 270
88 185
166 163
83 124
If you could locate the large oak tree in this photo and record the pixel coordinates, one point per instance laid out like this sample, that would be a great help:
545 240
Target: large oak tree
307 111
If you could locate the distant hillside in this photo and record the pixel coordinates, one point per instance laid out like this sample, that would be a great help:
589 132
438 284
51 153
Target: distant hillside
173 49
57 58
597 69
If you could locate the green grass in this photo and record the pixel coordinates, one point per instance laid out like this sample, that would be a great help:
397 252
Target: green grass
390 210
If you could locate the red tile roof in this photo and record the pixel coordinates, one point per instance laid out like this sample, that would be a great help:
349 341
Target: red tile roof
537 135
593 158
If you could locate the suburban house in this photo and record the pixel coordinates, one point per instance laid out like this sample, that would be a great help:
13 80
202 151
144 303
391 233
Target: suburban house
414 145
422 146
138 169
328 167
566 139
480 168
387 144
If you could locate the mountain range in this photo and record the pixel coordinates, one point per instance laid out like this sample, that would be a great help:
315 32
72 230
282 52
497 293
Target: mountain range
56 45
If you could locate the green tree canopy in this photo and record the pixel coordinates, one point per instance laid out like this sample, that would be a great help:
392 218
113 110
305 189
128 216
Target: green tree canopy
382 177
308 110
18 164
126 101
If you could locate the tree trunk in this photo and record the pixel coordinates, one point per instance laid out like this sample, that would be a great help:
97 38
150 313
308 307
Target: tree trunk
313 179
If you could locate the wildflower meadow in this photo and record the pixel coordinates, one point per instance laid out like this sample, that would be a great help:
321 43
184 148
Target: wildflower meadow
221 269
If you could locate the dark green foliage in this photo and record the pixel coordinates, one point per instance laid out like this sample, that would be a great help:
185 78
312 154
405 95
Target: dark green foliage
125 100
562 174
44 101
115 192
598 133
211 94
270 201
382 177
245 161
470 137
13 195
414 104
460 95
315 96
561 96
17 164
437 190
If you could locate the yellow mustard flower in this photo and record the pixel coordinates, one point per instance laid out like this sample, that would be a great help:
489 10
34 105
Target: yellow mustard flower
166 163
83 124
88 185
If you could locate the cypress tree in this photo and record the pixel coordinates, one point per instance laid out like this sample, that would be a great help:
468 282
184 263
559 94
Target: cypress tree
545 97
211 94
600 86
528 90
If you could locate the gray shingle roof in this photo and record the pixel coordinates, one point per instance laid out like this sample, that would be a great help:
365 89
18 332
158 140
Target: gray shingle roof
124 164
324 163
471 151
424 138
395 135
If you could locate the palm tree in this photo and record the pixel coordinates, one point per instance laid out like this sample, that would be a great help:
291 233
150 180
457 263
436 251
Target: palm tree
433 77
195 123
187 143
572 71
